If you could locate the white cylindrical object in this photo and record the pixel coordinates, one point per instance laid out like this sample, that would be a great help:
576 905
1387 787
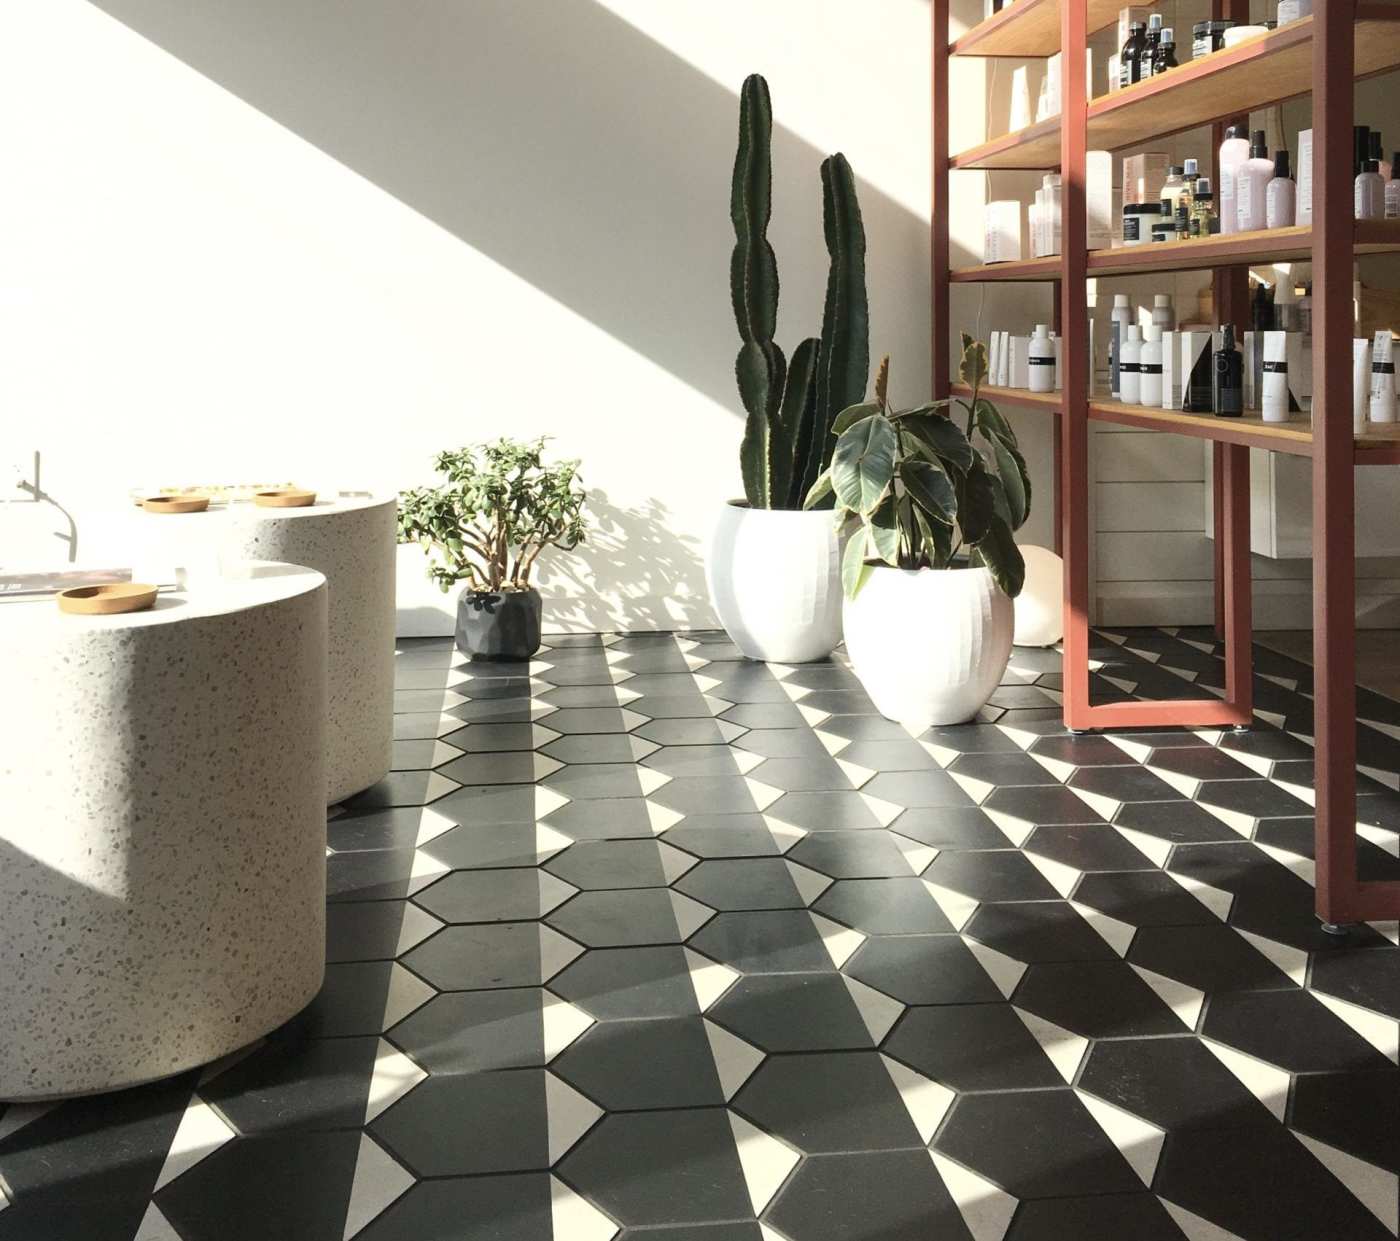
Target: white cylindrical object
1040 607
1281 203
1392 195
1369 194
1163 316
1292 10
162 897
1233 153
775 581
352 542
1120 317
1129 375
1239 34
1360 383
1150 367
1383 377
919 684
1275 396
1251 187
1040 360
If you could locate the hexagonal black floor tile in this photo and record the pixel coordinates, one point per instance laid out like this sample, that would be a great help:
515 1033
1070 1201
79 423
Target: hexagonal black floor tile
641 1065
793 1012
922 969
616 983
776 941
884 906
972 1047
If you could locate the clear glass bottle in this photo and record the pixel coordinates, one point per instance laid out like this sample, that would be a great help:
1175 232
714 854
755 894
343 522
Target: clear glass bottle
1392 189
1204 220
1172 187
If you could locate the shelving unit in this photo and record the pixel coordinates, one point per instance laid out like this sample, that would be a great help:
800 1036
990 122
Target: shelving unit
1323 55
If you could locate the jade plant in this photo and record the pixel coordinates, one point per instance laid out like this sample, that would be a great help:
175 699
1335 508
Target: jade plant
791 406
913 489
500 507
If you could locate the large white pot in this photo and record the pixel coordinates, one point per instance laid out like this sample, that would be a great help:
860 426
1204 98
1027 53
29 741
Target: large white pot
775 581
929 645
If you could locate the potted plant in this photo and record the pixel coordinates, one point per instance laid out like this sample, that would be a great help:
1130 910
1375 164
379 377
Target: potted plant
501 506
930 566
773 567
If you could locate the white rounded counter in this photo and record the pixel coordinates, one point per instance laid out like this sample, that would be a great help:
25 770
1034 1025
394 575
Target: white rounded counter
162 849
349 539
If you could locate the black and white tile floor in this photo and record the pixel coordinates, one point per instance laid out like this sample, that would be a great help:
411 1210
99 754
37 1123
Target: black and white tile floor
656 944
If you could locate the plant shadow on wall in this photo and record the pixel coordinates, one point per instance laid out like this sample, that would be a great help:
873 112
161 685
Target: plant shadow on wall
552 137
632 572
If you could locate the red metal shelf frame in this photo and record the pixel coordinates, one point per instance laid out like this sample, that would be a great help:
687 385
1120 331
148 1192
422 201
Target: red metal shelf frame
1334 452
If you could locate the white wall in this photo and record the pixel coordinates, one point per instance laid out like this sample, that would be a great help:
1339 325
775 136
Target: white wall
321 239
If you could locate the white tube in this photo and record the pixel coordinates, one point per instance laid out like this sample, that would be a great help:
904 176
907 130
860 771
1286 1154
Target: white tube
1383 377
1360 383
1275 396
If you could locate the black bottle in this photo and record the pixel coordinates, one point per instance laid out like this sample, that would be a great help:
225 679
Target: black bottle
1166 52
1130 61
1375 152
1150 42
1227 377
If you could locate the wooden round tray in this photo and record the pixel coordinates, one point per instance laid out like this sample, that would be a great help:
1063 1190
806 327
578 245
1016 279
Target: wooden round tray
284 497
107 600
175 504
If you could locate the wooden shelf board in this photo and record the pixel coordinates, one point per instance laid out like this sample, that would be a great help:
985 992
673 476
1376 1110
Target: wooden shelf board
1379 445
1257 72
1277 245
1029 28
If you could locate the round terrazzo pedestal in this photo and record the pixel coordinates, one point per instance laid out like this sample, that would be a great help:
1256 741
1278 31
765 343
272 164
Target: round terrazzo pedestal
351 540
162 848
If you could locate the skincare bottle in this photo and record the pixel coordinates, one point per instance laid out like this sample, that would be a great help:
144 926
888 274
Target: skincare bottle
1183 222
1040 360
1204 221
1172 188
1233 153
1129 374
1281 197
1118 321
1190 170
1130 59
1163 316
1251 184
1227 389
1361 145
1150 367
1383 377
1166 52
1392 189
1377 153
1152 40
1370 194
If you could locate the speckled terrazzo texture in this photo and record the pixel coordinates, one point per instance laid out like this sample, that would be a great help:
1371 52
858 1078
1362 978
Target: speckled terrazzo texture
162 854
351 541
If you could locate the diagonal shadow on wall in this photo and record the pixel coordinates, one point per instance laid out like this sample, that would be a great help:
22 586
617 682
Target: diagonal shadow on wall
552 137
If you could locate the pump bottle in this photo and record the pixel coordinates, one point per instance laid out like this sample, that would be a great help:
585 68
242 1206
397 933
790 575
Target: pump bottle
1370 192
1150 367
1129 372
1251 186
1281 196
1040 360
1233 153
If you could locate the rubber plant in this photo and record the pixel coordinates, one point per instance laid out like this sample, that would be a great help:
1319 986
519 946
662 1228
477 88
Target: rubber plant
914 489
791 406
501 506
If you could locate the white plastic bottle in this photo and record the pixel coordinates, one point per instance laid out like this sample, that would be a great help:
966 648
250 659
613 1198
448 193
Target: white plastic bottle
1163 316
1120 318
1040 360
1251 185
1392 189
1370 194
1053 205
1281 196
1129 368
1233 153
1150 367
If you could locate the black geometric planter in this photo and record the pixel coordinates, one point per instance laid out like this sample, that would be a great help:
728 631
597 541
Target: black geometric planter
498 626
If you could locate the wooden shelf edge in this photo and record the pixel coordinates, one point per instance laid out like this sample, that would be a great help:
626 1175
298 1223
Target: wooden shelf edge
1028 28
1253 249
1047 402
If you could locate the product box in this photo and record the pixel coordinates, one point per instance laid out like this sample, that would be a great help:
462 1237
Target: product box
1281 354
993 356
1019 367
1048 104
1253 358
1003 348
1115 64
1194 377
1020 98
1143 176
1059 358
1304 177
1002 240
1171 369
1098 198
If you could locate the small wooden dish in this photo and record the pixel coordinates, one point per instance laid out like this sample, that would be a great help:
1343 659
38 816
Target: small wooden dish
284 497
175 504
107 600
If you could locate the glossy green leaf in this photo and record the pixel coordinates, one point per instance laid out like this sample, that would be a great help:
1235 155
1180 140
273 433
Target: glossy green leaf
882 532
852 414
820 490
977 503
862 467
999 553
972 370
941 437
931 488
854 570
1013 481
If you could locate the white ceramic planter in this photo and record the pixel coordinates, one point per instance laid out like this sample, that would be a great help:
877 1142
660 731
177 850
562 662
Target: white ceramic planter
929 645
775 581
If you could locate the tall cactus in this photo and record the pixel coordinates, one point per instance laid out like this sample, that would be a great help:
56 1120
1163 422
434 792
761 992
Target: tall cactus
787 433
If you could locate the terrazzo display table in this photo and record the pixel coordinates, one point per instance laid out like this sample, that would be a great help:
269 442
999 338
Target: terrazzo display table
351 541
162 847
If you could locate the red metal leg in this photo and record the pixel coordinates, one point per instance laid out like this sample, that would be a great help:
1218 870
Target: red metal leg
1217 484
1236 593
1339 897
